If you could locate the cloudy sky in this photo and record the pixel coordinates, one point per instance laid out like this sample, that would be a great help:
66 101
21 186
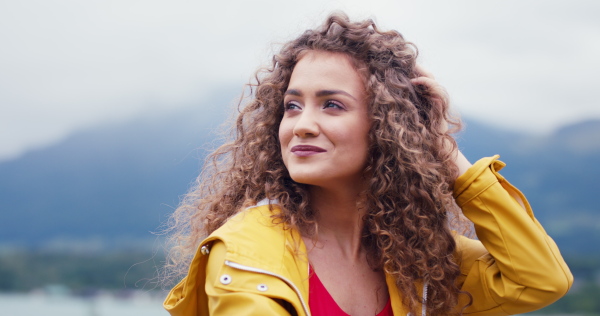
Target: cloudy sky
69 64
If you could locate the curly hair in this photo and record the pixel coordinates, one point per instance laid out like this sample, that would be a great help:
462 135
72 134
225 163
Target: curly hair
409 203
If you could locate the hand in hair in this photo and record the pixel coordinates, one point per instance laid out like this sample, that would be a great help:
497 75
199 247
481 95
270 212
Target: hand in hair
437 92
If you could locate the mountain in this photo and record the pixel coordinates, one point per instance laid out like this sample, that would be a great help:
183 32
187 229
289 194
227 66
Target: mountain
111 186
106 186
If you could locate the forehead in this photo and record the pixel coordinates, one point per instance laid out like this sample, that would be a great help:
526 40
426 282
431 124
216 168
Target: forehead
326 70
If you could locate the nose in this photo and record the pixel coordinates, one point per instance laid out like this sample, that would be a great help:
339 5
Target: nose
307 124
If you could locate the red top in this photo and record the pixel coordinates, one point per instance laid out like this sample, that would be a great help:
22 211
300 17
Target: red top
321 303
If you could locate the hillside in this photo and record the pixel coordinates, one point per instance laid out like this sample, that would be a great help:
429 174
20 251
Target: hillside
111 186
107 186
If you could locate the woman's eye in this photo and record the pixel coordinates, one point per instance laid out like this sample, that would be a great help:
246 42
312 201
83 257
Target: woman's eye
292 106
333 104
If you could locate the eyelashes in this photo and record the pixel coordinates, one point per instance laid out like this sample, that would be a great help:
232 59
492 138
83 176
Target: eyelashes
329 104
333 104
292 105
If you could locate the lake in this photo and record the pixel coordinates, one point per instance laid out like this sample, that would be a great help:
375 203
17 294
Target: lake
104 304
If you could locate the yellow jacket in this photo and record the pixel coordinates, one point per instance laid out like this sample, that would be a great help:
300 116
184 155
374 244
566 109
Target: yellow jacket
257 267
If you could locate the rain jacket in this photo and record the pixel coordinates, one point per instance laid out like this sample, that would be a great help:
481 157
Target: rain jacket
254 266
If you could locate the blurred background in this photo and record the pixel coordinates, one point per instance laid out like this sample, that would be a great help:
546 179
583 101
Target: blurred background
107 109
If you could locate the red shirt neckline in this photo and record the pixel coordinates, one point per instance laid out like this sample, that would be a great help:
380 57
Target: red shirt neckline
321 303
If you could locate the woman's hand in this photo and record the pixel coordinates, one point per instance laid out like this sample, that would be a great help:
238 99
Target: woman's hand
439 94
434 89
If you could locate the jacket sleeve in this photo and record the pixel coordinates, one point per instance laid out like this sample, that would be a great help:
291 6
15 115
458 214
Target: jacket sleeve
515 267
224 302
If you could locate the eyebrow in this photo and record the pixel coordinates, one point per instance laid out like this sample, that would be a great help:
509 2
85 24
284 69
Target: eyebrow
320 93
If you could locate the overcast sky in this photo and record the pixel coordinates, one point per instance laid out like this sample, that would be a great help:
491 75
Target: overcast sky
69 64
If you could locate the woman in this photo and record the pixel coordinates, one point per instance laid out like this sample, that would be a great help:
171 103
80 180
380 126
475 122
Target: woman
337 194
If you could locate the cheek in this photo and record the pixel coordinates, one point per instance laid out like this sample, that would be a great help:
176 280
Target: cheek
283 133
284 140
354 135
285 136
364 125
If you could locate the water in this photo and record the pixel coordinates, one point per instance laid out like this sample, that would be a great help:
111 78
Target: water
34 304
138 303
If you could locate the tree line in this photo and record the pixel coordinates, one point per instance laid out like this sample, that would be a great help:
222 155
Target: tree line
23 271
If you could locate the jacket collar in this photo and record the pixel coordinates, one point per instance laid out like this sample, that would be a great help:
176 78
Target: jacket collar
256 240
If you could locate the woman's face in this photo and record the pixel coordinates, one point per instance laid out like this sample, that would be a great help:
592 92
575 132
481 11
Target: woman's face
324 130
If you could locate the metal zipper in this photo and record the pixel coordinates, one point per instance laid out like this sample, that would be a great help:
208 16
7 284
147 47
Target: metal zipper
424 304
256 270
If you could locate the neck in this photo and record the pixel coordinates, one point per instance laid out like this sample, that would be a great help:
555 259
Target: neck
339 219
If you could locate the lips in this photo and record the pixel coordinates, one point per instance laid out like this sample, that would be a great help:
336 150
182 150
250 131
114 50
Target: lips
306 150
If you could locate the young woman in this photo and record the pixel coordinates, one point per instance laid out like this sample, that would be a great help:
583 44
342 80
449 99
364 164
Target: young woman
338 192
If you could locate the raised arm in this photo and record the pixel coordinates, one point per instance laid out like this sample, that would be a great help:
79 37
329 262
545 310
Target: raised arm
514 267
519 268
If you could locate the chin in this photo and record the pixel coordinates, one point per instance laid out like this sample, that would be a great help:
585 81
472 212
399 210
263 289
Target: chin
307 177
304 179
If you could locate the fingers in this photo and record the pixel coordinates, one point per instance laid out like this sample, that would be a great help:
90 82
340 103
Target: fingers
424 78
432 87
425 81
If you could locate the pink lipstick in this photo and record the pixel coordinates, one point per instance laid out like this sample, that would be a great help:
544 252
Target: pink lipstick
306 150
